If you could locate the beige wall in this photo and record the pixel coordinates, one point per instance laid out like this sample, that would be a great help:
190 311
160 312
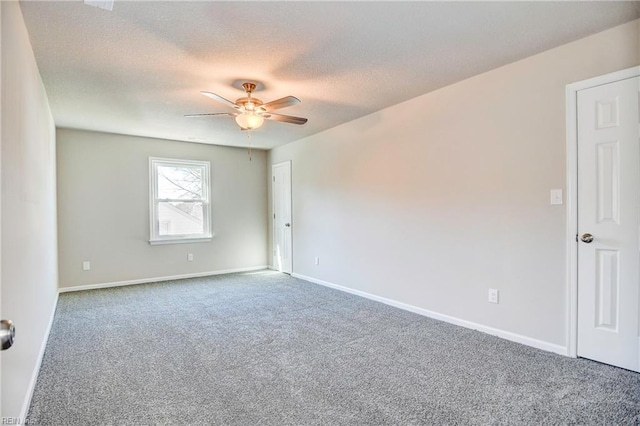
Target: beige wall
29 263
103 214
434 201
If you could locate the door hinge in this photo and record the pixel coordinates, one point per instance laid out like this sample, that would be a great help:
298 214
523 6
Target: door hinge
274 178
274 216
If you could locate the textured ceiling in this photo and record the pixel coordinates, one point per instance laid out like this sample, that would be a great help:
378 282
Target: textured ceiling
138 69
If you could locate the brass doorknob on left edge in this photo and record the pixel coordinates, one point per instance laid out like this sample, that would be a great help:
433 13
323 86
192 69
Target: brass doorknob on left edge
7 333
586 238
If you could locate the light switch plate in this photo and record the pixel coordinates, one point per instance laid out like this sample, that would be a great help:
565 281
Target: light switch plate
494 295
86 265
556 197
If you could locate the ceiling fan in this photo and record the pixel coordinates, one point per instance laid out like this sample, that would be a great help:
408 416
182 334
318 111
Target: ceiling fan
251 112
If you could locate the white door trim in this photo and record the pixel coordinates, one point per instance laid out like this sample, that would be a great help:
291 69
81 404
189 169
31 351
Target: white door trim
572 195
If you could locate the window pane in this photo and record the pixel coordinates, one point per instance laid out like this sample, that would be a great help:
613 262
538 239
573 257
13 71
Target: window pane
176 218
180 182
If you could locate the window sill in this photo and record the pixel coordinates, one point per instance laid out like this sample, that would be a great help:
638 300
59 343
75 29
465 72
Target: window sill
180 241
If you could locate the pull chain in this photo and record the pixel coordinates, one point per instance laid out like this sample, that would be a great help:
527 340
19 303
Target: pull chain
249 137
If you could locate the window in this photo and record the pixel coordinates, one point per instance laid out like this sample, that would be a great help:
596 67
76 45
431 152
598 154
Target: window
180 208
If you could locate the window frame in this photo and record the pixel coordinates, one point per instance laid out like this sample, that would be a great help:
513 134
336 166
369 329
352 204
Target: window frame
154 231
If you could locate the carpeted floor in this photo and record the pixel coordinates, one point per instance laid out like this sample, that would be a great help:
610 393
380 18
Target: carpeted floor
268 349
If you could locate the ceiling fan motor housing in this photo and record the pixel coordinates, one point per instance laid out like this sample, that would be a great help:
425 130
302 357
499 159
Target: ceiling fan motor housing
245 100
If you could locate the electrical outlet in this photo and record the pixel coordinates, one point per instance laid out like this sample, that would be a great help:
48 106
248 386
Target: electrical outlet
190 257
494 295
86 265
317 260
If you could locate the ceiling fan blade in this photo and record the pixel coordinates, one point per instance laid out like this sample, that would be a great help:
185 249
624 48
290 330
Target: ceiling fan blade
213 113
287 101
221 99
285 118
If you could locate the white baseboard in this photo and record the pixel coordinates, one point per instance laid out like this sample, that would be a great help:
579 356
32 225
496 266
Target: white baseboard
518 338
34 375
158 279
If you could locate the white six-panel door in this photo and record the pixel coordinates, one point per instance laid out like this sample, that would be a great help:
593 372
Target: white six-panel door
282 236
609 223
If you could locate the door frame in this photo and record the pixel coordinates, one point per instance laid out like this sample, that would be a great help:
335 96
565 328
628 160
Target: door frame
273 228
572 194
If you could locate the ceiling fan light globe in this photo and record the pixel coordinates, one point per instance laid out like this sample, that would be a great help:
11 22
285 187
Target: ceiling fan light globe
249 121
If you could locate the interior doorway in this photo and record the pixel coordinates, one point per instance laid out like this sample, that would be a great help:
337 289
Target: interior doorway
282 223
604 218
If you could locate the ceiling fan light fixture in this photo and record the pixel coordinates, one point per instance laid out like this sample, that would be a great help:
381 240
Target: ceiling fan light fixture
249 120
251 112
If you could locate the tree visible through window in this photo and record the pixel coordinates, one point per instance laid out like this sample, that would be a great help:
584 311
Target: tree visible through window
180 208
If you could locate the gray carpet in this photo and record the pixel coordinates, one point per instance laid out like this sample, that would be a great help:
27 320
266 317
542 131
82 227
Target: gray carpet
268 349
